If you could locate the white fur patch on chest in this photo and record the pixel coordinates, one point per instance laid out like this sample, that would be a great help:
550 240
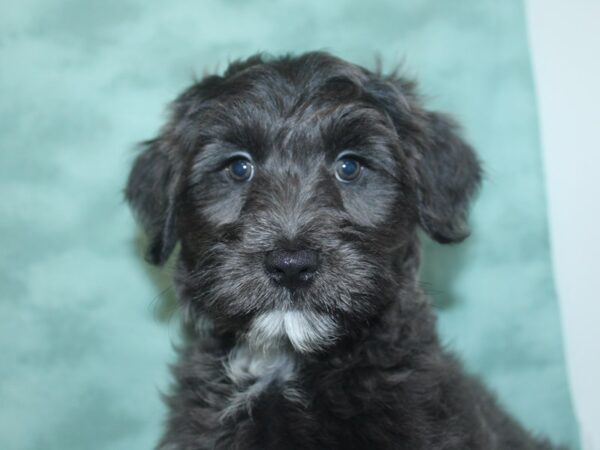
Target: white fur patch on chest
245 365
306 331
252 371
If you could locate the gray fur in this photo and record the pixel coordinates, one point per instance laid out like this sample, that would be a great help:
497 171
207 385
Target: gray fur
351 358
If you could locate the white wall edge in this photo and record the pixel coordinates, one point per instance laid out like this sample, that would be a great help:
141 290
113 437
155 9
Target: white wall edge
565 47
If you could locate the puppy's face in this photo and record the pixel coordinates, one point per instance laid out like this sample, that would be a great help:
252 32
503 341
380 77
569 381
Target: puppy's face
294 187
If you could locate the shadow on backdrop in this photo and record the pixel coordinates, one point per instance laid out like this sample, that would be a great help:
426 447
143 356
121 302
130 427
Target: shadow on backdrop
440 266
164 304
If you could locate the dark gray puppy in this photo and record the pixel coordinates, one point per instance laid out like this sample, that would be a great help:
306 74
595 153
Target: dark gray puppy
295 187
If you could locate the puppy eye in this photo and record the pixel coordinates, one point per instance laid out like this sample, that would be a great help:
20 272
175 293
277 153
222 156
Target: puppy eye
240 169
347 169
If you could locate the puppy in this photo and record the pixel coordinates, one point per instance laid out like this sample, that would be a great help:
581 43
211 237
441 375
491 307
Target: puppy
295 187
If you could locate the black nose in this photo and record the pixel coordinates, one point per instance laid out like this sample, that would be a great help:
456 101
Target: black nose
292 269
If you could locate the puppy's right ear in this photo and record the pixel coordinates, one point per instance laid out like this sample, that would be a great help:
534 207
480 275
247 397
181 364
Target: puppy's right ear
150 192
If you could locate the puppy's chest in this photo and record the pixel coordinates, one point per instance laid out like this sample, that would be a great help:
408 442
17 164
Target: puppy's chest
264 400
258 380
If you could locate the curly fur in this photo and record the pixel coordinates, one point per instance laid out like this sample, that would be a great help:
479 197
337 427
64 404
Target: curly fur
351 361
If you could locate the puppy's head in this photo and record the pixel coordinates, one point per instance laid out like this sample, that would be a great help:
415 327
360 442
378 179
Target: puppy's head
294 187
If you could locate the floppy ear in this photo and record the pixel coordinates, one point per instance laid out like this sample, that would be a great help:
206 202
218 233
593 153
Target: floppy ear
446 168
150 193
448 173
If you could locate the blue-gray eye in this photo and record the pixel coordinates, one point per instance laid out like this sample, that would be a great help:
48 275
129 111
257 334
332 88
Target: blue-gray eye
241 169
347 169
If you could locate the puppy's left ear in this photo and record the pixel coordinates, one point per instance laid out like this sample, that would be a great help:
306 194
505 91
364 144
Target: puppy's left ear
446 168
150 192
448 173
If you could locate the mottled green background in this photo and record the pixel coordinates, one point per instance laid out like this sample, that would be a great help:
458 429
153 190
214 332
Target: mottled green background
85 335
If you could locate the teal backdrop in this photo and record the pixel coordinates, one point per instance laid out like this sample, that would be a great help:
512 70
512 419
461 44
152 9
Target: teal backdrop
86 328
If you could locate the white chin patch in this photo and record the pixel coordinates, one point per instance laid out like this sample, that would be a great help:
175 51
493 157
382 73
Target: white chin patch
306 331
